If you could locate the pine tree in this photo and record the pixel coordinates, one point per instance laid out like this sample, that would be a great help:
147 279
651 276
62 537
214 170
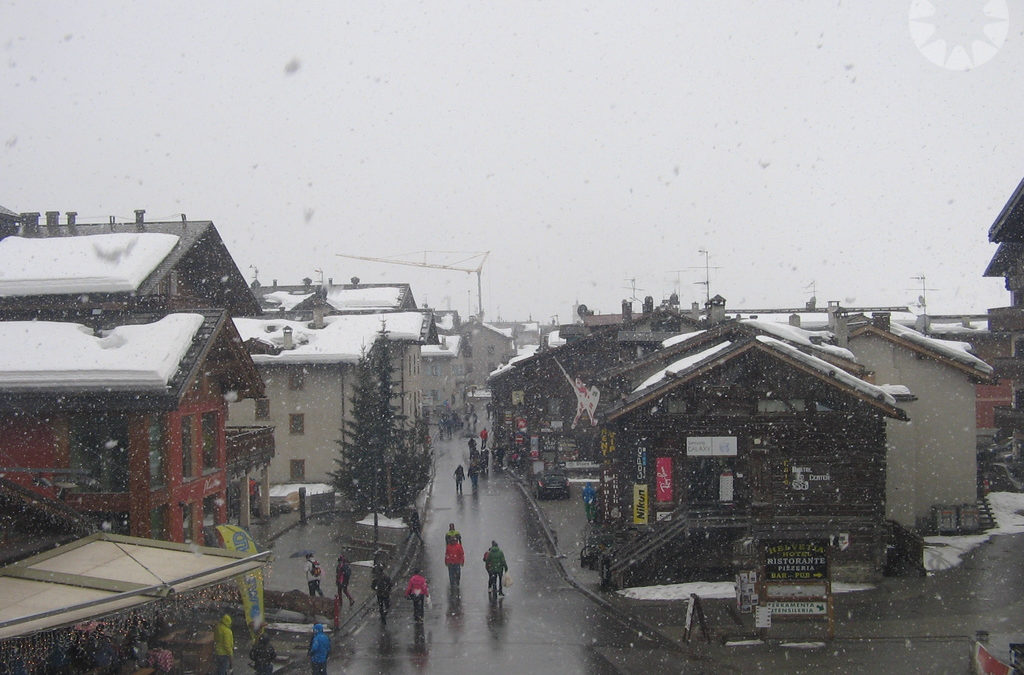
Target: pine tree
381 464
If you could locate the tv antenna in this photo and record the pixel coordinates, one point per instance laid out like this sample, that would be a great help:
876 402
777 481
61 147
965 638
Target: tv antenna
632 288
922 300
707 273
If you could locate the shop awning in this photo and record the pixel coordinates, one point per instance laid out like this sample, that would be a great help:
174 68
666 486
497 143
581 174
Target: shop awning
105 573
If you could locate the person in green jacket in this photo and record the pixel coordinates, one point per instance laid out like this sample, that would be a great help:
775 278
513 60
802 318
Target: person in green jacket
223 645
494 561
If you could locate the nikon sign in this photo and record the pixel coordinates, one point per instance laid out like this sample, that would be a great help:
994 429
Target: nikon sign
641 504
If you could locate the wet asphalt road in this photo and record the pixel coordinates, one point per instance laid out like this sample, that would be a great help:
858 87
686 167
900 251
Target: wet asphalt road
542 624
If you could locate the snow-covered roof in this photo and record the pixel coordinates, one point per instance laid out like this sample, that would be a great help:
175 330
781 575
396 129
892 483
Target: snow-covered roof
507 332
343 339
555 338
286 300
682 364
365 297
682 337
52 355
449 348
444 320
815 339
828 369
523 353
115 262
952 349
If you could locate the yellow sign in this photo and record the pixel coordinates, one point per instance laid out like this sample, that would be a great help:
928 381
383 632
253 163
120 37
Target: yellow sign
640 504
250 584
518 396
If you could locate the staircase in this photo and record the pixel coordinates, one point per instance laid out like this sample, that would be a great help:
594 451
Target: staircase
636 551
986 521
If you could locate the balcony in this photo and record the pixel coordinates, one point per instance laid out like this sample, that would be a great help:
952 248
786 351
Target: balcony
249 448
1009 418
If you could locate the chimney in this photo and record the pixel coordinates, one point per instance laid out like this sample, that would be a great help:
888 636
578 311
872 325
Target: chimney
319 302
627 311
716 310
30 224
881 320
695 311
72 215
288 342
140 219
543 343
841 328
355 281
648 305
330 282
673 301
794 320
275 283
52 219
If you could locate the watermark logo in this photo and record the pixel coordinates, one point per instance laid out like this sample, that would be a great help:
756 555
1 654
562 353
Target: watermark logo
959 34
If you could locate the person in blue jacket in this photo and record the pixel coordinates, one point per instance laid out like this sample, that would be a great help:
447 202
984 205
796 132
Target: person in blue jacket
590 502
319 650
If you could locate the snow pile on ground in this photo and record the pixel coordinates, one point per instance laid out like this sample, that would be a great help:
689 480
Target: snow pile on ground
60 355
943 553
383 521
710 589
285 489
97 263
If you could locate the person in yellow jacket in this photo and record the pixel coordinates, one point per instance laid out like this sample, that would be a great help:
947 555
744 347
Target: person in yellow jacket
223 645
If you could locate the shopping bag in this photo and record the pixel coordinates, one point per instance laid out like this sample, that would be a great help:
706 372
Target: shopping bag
506 580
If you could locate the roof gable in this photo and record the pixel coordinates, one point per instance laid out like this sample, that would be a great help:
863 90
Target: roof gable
1009 224
952 353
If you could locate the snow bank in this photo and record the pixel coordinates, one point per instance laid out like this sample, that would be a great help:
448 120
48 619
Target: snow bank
383 521
710 589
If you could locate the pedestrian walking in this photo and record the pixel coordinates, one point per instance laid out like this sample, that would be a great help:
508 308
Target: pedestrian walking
319 650
474 474
483 439
263 654
460 475
417 591
454 559
494 561
452 535
499 457
415 527
589 501
381 586
223 645
472 447
472 417
342 575
313 574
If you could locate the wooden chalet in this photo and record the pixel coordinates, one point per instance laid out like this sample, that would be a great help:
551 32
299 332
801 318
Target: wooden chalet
742 438
142 455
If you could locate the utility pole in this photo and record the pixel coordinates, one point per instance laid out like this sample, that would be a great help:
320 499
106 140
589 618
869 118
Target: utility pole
923 298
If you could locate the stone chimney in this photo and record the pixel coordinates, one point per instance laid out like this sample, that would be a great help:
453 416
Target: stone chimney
140 219
648 305
52 221
72 216
627 311
673 301
838 323
716 310
288 343
695 311
319 306
881 320
794 320
30 224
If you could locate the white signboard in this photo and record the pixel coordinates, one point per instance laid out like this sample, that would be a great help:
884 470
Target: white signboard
762 617
711 446
798 606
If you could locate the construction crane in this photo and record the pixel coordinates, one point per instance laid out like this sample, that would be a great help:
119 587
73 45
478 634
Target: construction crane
455 267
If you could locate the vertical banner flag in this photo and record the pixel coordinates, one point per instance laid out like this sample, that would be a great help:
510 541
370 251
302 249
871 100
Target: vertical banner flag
663 478
250 584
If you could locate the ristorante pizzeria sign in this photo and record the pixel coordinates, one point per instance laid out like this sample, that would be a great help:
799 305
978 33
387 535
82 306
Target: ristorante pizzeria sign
796 561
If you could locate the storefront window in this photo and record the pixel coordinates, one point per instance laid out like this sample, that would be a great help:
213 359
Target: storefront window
186 446
157 453
209 441
99 448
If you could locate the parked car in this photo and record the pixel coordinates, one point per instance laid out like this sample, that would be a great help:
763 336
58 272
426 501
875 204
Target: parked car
553 482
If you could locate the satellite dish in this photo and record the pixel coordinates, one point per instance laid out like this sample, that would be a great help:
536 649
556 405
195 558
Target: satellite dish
582 311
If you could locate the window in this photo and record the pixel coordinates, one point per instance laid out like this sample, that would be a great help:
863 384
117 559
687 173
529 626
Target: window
297 380
99 447
157 469
297 423
210 435
435 370
186 523
263 408
297 469
186 446
210 508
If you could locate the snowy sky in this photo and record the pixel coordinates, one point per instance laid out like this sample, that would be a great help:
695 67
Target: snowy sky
584 144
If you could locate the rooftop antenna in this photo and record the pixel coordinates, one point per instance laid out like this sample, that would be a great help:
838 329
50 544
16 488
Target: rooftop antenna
814 295
321 273
922 300
632 288
678 281
255 272
707 273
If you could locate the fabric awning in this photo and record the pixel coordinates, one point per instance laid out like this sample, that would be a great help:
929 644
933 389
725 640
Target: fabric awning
105 573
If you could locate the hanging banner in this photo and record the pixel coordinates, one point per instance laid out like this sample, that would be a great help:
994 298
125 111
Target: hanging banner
250 584
587 398
663 479
640 504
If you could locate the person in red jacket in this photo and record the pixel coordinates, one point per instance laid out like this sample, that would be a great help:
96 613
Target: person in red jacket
454 559
418 591
483 439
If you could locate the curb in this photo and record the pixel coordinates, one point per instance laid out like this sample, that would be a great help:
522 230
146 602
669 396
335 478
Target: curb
630 620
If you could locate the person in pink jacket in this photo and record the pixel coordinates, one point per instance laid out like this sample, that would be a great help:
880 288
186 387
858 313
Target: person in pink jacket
418 591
